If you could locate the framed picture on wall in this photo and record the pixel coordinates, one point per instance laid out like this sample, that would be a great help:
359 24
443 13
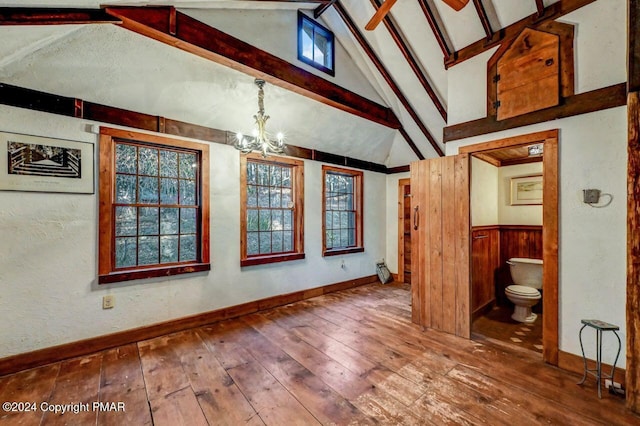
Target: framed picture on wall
36 163
526 190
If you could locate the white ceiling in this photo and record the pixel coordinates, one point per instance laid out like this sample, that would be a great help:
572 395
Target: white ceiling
110 65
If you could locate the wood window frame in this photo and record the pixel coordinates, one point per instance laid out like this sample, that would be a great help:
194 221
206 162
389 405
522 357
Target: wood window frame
107 272
297 167
358 181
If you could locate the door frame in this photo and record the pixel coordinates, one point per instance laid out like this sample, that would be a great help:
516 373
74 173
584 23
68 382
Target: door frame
550 139
402 184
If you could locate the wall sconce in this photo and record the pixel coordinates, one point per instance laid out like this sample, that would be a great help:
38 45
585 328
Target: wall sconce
592 197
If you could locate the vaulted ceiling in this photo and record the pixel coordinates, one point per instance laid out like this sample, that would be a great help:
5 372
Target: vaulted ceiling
401 65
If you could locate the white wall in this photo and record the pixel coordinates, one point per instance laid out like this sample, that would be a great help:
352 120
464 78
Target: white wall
592 154
48 254
516 215
484 193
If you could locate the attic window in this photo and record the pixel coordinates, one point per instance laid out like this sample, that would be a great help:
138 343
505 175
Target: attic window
315 44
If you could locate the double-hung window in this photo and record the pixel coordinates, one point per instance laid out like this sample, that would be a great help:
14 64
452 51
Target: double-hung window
315 44
271 202
341 211
154 206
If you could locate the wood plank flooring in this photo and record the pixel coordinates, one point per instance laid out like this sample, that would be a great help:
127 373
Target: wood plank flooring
351 357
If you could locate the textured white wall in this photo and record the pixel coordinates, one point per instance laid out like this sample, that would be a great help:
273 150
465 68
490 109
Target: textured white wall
48 254
516 215
484 193
592 154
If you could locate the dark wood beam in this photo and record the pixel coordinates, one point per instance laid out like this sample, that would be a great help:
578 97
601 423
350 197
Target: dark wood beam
322 8
540 7
435 28
632 375
411 143
53 16
484 19
398 169
176 29
413 64
73 107
387 77
551 12
595 100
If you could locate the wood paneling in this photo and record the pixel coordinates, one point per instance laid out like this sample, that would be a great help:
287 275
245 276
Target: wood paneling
485 262
529 74
440 237
515 241
14 363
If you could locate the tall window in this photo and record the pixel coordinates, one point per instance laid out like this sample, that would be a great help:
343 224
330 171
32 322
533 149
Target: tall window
315 44
342 211
271 200
154 209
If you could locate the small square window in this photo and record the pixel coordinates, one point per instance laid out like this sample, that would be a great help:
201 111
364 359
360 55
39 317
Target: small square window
315 44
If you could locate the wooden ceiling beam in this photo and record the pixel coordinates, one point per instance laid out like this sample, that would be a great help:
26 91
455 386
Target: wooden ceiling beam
322 8
540 7
415 67
484 19
435 28
176 29
53 16
21 97
387 77
551 12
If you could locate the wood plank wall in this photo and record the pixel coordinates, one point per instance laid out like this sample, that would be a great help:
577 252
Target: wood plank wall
490 273
440 233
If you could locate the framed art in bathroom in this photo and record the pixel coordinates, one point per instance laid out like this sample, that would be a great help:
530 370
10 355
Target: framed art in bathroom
526 190
42 164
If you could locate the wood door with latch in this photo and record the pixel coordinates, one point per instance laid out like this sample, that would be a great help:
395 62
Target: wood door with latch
440 236
528 74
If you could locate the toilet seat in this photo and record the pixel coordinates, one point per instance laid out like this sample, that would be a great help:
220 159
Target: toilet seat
523 291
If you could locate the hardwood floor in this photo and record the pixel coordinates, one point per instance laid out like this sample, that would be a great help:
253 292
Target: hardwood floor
497 324
351 357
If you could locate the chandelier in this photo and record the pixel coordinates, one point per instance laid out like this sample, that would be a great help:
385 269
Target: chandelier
260 140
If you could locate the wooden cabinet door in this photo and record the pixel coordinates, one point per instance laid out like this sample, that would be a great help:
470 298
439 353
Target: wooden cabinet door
440 244
529 74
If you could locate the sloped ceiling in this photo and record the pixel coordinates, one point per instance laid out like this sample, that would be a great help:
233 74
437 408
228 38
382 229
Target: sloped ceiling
110 65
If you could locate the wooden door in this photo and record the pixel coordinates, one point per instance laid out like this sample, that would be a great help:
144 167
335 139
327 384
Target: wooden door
529 74
440 244
404 231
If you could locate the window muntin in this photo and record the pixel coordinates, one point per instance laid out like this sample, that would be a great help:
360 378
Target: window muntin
342 211
153 207
315 44
271 201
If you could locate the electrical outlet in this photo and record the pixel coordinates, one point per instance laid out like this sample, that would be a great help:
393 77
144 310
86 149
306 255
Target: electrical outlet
607 384
108 301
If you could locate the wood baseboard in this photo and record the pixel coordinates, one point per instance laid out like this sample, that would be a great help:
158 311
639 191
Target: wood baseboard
37 358
574 363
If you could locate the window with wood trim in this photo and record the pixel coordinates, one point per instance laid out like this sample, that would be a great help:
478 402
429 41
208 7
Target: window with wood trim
154 206
271 203
341 211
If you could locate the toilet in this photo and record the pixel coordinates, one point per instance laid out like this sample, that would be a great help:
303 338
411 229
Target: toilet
524 293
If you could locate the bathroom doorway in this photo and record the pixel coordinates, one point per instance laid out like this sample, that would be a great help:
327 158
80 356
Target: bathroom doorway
496 237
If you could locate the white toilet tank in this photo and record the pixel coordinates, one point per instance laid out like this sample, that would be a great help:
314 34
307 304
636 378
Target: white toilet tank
527 272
